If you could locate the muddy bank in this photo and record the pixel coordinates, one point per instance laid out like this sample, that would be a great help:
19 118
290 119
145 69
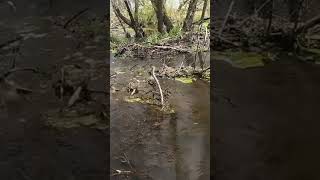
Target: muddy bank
269 130
36 137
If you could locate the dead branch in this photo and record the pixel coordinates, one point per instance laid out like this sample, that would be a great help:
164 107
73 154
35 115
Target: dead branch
74 17
156 79
121 172
173 48
258 10
62 84
226 18
309 24
11 71
75 96
10 42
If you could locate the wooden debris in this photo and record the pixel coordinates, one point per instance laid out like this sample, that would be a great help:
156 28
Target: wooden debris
75 96
158 83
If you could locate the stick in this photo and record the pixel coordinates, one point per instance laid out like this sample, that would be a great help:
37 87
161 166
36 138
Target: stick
75 96
226 18
309 24
10 42
173 48
121 172
74 17
258 10
62 83
155 78
19 69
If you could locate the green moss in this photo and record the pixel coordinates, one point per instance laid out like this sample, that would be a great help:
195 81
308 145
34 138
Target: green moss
185 80
241 59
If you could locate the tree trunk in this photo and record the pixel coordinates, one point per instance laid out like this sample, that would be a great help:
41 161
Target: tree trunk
137 28
158 8
204 9
132 23
187 24
136 10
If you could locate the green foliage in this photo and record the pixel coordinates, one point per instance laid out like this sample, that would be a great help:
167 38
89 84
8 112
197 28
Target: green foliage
154 38
147 15
94 27
175 32
116 41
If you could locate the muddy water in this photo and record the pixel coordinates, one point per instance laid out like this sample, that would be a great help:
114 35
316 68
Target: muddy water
273 131
29 149
159 145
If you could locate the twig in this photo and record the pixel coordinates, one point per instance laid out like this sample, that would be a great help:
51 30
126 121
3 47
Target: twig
75 96
155 78
226 18
19 69
121 172
10 42
74 17
257 11
173 48
62 84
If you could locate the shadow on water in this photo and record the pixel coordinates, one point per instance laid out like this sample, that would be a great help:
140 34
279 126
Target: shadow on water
159 145
272 133
29 148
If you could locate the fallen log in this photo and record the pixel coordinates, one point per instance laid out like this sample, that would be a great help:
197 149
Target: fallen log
309 24
173 48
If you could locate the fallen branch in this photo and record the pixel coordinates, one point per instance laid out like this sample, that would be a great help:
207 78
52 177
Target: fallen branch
62 84
121 172
75 96
226 18
156 79
173 48
309 24
257 11
10 42
19 69
74 17
19 89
